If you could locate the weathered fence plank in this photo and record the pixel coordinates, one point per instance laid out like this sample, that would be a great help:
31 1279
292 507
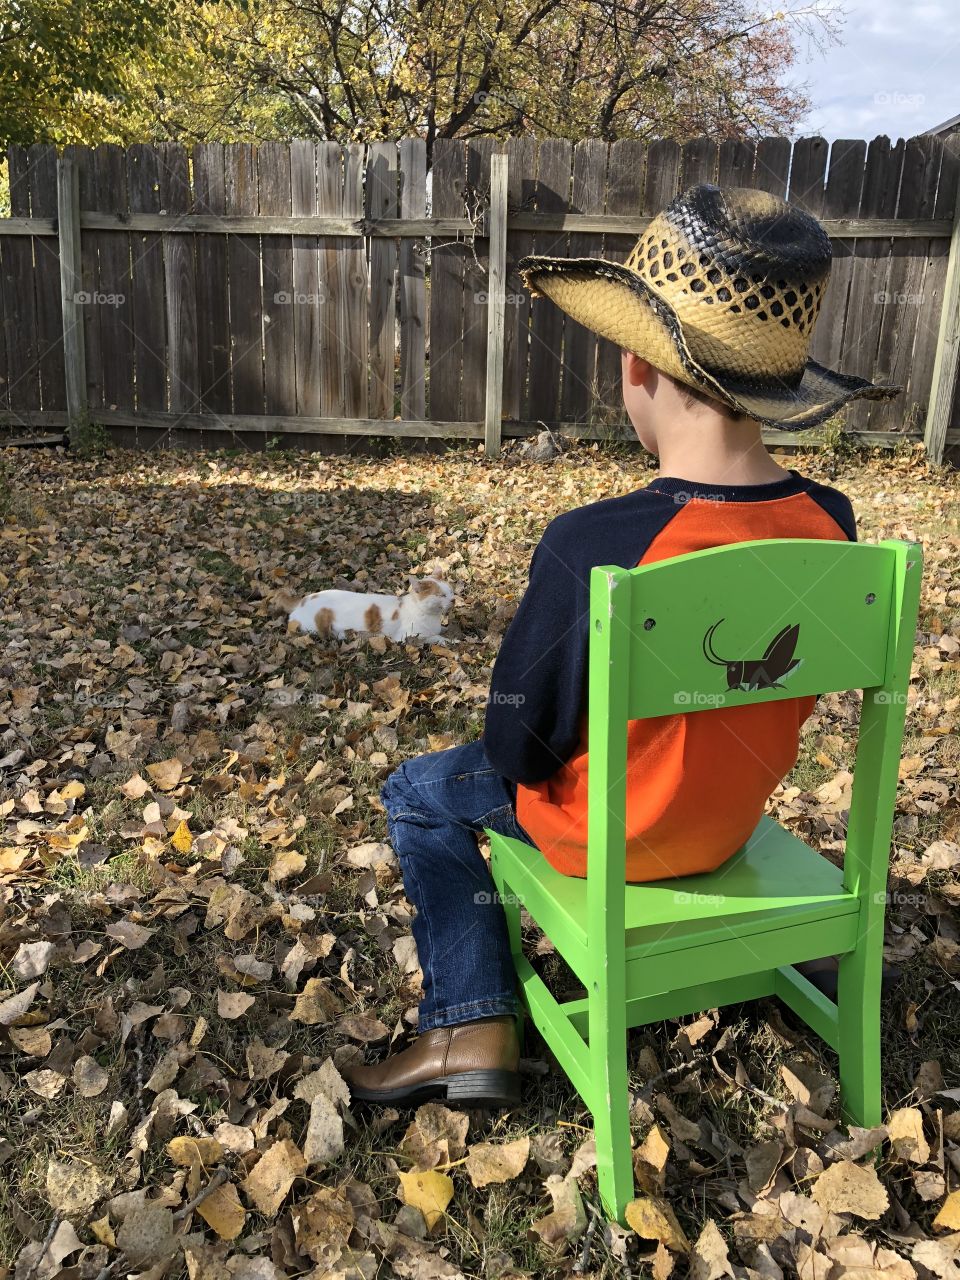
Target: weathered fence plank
42 160
841 198
943 381
578 391
446 284
554 162
626 166
476 287
243 273
181 284
279 299
213 295
413 289
521 184
147 306
307 325
20 312
354 297
496 303
382 202
332 268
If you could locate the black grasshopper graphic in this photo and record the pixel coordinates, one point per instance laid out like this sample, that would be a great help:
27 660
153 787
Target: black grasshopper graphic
767 672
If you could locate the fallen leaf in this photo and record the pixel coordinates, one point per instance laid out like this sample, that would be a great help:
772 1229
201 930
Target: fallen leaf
73 1187
89 1077
846 1187
495 1162
324 1138
948 1219
316 1003
166 773
129 935
147 1235
222 1211
31 959
16 1006
709 1259
650 1161
568 1219
652 1218
234 1004
428 1191
905 1129
364 1027
273 1175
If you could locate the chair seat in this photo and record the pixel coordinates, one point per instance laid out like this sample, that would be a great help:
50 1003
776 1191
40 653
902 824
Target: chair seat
773 881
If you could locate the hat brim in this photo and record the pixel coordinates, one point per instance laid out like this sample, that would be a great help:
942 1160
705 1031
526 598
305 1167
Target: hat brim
618 304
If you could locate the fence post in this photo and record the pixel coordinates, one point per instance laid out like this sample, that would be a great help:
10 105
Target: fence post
496 302
68 234
944 381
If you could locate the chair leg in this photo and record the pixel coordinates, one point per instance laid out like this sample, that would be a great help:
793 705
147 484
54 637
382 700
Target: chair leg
610 1105
858 1006
511 909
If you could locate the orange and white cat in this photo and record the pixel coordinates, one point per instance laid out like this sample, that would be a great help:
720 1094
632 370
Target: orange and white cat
416 613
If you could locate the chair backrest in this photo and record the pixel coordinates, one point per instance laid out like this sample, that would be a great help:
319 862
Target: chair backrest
752 622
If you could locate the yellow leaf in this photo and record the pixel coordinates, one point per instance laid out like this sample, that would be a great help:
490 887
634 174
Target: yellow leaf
222 1210
104 1232
652 1218
428 1191
182 838
948 1219
187 1151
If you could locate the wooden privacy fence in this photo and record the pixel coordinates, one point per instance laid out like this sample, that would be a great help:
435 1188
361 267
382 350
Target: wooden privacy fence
303 289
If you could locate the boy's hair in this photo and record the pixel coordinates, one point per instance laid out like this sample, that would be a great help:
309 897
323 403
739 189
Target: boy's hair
693 395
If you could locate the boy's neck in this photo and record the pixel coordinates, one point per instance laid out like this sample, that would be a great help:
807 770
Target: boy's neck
710 449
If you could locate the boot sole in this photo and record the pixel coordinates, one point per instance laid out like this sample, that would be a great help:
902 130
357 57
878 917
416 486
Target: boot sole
465 1089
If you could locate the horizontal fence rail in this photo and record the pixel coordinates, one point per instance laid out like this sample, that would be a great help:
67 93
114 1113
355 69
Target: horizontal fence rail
305 289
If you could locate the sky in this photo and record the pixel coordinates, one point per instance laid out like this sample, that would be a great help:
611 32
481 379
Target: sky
893 70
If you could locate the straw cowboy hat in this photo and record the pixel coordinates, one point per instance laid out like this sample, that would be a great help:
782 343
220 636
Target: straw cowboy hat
721 292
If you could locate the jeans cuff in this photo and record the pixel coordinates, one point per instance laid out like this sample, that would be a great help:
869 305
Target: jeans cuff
497 1007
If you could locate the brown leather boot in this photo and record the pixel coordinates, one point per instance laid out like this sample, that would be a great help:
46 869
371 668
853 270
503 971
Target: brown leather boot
473 1064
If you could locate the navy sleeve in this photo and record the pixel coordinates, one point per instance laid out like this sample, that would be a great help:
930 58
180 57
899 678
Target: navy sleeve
837 505
532 718
538 687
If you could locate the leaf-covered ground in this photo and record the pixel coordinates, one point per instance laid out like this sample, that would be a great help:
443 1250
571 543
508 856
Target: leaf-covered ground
200 922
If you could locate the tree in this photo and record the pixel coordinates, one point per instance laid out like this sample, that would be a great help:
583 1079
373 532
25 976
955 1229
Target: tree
62 62
380 69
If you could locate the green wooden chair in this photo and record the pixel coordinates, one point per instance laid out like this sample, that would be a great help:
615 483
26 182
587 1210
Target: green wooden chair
658 950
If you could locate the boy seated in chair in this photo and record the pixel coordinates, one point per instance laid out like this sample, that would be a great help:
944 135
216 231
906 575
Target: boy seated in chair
713 312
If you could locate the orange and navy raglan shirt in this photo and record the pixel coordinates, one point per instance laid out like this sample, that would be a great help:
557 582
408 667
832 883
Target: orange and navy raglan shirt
697 783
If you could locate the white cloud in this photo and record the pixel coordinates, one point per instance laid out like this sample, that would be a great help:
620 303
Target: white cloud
891 73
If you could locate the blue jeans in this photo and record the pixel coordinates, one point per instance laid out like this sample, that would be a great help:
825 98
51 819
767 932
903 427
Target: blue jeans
436 804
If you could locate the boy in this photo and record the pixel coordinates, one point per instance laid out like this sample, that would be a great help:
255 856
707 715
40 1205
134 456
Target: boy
713 313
